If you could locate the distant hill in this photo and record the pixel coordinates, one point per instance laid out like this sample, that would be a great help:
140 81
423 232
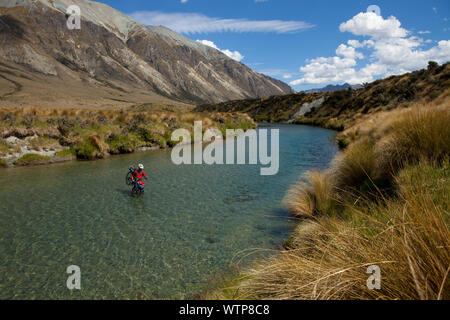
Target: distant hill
341 109
337 87
330 87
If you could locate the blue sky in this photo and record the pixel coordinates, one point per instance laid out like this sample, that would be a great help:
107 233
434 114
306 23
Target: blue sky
306 43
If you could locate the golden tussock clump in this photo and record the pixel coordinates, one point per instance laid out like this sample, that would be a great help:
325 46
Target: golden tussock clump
304 198
384 202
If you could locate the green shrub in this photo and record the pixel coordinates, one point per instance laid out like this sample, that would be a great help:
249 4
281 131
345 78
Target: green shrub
91 148
3 163
122 143
86 150
4 146
66 153
343 142
30 159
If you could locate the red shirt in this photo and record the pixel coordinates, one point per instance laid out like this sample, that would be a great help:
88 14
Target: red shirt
139 175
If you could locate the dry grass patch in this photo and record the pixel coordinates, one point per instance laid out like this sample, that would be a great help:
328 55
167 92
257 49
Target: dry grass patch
305 199
408 239
385 202
421 133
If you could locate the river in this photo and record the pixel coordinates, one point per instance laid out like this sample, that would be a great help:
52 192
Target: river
194 222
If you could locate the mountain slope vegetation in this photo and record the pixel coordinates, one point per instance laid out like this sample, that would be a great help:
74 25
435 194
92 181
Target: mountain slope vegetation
342 109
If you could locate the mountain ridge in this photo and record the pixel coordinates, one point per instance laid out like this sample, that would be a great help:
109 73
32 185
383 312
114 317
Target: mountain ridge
121 58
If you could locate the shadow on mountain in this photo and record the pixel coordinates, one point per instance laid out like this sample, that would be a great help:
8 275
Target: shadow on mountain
11 25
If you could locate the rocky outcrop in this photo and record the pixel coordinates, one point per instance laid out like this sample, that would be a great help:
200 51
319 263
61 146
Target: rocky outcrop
307 107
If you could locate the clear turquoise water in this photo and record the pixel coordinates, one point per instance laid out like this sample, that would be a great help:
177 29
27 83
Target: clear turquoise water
192 224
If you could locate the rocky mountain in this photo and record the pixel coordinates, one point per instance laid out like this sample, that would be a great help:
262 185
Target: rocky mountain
111 60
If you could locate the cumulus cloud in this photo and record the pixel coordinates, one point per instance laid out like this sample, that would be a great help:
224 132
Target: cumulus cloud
189 23
329 70
348 52
391 51
371 24
235 55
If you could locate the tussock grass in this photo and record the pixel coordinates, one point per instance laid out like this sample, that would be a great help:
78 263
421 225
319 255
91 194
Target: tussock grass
421 133
350 220
305 199
357 166
96 133
408 238
91 148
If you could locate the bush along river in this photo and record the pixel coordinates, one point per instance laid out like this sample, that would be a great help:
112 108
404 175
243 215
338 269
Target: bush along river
193 223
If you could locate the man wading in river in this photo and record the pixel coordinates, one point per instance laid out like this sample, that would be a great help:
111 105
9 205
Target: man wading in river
139 174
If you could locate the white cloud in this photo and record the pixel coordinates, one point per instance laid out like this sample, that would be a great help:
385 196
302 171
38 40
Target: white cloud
330 70
188 23
391 51
373 25
235 55
355 43
424 32
287 76
184 1
348 52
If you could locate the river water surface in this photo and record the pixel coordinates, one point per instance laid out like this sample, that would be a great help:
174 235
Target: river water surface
193 223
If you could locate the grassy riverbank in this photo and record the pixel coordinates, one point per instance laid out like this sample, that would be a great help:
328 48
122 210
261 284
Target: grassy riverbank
30 136
385 201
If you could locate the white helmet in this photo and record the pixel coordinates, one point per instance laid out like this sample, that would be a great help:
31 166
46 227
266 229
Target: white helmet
141 166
